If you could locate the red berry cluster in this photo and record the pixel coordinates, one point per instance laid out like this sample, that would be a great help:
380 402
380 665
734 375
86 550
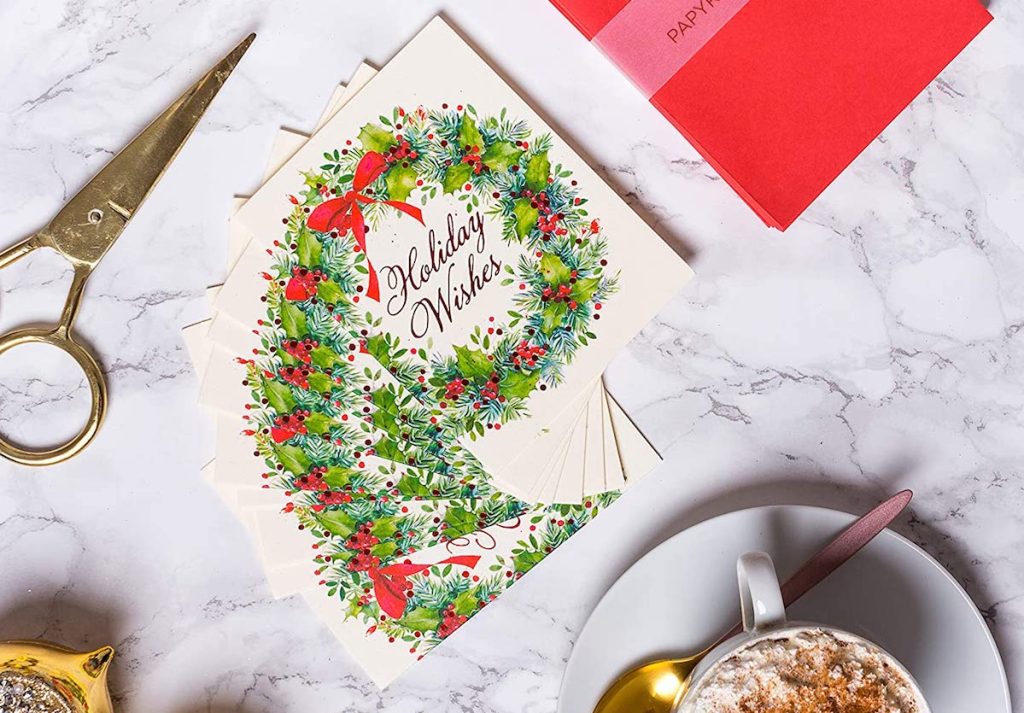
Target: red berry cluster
296 375
455 388
547 222
526 353
401 151
363 561
289 425
450 621
302 284
562 294
335 497
472 157
489 390
314 480
300 349
362 539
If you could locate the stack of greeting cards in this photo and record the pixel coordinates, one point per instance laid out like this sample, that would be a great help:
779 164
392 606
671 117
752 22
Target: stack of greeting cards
405 359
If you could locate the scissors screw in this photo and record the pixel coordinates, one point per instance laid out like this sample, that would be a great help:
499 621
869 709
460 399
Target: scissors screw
95 216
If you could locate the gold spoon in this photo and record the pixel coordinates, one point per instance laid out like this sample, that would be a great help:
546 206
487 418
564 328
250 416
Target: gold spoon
658 686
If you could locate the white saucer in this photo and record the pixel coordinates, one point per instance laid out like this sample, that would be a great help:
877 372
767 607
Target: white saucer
682 595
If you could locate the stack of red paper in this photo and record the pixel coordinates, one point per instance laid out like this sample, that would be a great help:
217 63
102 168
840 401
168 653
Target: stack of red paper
779 96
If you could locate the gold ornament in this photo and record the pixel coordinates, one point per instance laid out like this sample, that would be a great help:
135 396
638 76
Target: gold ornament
37 677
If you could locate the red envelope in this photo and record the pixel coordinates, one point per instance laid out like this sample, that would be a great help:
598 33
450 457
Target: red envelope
779 95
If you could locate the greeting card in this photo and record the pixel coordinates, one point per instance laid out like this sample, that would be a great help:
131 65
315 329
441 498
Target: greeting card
463 244
406 357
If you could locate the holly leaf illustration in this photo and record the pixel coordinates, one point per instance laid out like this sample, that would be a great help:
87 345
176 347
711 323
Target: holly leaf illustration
401 180
552 316
584 289
388 450
321 383
293 321
469 134
293 458
337 477
525 216
279 396
386 422
460 522
377 345
318 423
411 487
456 177
309 248
473 364
501 155
376 138
517 385
537 171
329 291
421 619
384 528
336 522
525 561
465 603
324 357
554 270
384 549
385 400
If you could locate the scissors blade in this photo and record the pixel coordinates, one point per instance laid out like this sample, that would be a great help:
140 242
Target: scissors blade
90 222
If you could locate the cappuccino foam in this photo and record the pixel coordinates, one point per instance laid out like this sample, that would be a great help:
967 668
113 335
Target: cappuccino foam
808 671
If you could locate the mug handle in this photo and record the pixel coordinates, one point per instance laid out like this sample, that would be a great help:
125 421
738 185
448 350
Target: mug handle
760 595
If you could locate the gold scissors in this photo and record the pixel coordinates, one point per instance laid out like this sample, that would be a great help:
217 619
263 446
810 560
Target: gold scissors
88 225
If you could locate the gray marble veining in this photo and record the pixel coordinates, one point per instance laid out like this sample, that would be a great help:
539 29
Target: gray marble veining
878 344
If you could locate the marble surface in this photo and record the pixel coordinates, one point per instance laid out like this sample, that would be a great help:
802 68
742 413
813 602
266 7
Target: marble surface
878 344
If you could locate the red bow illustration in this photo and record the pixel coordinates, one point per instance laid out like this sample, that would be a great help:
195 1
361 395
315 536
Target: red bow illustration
391 583
343 213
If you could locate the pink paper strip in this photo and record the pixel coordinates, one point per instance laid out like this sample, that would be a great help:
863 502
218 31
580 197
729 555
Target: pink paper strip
652 39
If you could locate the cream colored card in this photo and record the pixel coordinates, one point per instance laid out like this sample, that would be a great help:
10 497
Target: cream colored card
239 305
544 490
636 454
234 450
384 661
570 481
228 496
559 476
238 237
565 482
232 334
437 70
286 143
363 74
196 337
615 479
222 387
237 461
593 465
555 421
281 542
544 453
198 345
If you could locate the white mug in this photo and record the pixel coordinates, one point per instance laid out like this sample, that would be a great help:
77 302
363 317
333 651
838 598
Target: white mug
764 616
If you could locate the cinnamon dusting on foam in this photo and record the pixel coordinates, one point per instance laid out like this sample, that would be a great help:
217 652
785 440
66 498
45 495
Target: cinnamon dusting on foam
811 671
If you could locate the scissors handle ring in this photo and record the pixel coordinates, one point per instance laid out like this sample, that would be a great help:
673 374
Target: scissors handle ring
98 388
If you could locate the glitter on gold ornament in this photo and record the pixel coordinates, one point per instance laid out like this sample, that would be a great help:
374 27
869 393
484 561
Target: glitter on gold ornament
37 677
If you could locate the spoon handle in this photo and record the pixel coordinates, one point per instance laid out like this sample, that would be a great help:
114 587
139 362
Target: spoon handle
848 543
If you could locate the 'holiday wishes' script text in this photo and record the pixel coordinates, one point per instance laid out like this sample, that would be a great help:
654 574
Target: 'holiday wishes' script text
435 284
